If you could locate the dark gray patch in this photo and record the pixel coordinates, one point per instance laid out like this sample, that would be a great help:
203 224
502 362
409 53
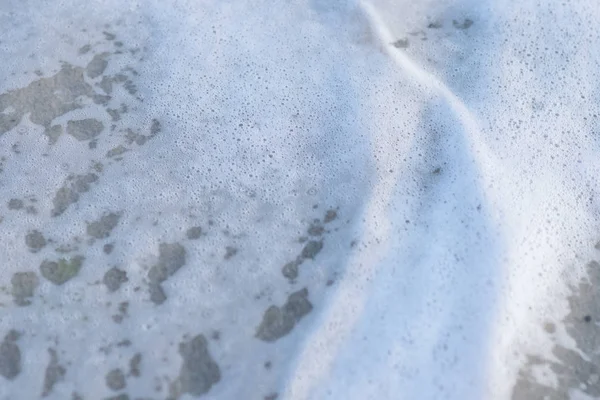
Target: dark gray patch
106 84
114 114
466 24
117 151
109 36
69 193
279 321
171 257
61 271
15 204
330 215
155 128
23 287
230 252
194 233
84 49
315 230
42 100
122 396
134 365
102 228
101 99
311 249
272 396
199 371
290 270
96 67
113 278
76 396
434 25
115 380
54 133
401 43
130 87
108 248
157 294
84 129
10 356
35 241
31 210
54 373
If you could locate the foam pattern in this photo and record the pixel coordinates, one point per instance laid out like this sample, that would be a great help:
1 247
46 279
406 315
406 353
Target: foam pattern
310 199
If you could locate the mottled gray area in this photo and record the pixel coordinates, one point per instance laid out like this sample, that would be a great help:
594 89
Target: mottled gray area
84 49
10 356
15 204
230 252
117 151
96 67
574 369
330 215
102 228
134 365
199 371
70 191
122 396
59 272
54 373
290 270
279 321
108 248
23 287
401 43
35 241
171 257
42 101
113 278
115 380
465 24
311 249
194 233
85 129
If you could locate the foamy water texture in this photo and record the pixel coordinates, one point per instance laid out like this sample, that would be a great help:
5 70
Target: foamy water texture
320 199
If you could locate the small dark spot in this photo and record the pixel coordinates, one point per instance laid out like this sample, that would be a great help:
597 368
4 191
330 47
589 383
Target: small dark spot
272 396
401 43
134 365
15 204
59 272
437 171
113 278
330 282
194 233
10 356
23 287
279 321
103 227
466 24
109 36
35 241
54 373
115 379
230 252
311 249
330 215
315 230
587 318
85 49
434 25
108 248
290 270
268 365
